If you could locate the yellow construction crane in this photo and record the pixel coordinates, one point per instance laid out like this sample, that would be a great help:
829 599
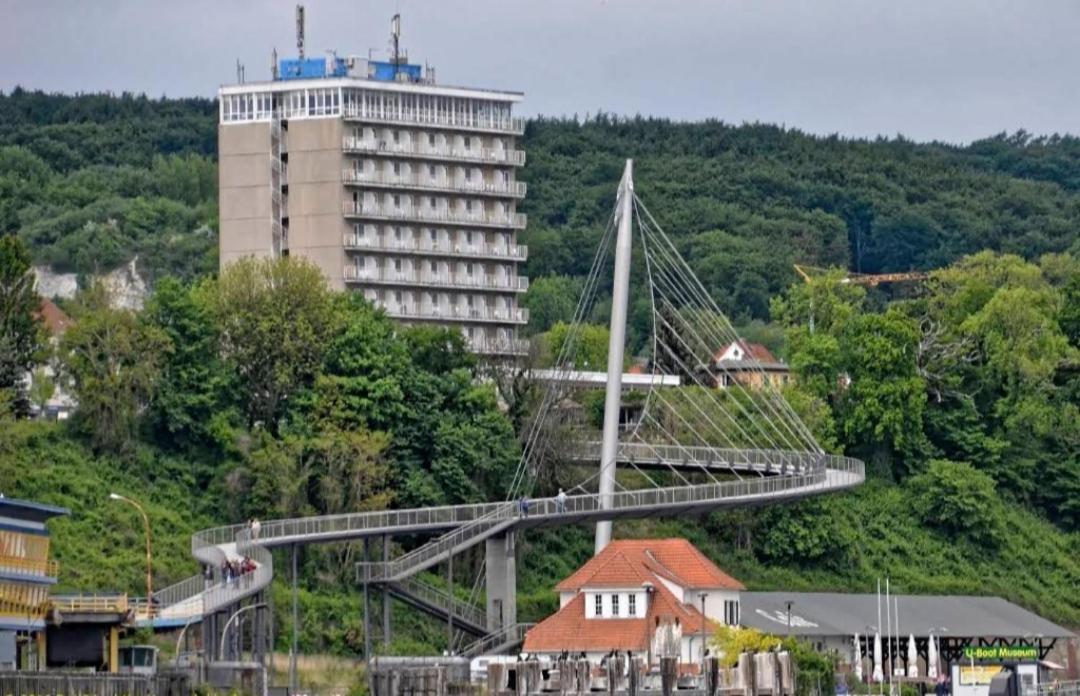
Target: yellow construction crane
865 278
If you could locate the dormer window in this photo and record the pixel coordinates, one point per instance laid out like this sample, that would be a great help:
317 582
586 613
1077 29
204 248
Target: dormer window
598 605
615 605
631 603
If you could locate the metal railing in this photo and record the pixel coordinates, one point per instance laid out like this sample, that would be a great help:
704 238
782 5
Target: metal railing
32 567
415 148
437 597
421 214
1067 688
842 472
760 461
499 346
443 247
426 117
90 604
73 683
469 524
515 189
386 276
510 635
416 310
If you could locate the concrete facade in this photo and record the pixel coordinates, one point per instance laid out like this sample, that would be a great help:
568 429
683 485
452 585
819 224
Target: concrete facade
404 191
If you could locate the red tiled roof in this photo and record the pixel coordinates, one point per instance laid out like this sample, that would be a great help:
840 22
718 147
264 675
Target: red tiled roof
569 630
674 559
54 318
752 351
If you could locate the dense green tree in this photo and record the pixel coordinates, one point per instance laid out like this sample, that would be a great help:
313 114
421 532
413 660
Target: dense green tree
551 300
195 386
274 318
956 499
20 330
586 346
113 360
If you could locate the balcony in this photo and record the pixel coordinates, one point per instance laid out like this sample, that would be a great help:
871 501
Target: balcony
434 119
448 280
456 313
29 567
426 247
419 214
495 346
514 158
514 189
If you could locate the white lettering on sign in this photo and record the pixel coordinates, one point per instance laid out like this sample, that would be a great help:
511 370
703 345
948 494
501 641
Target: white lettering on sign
781 617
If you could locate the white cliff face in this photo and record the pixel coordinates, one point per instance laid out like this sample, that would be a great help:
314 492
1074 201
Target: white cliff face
127 289
55 285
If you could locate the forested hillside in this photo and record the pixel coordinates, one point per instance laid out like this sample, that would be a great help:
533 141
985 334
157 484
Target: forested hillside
260 393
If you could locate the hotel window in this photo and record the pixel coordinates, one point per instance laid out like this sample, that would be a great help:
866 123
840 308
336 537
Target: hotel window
397 265
468 174
598 604
397 201
434 234
434 267
431 140
615 604
631 604
468 143
397 137
397 168
431 170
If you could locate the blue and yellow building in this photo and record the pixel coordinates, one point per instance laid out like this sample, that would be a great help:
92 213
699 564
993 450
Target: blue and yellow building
26 576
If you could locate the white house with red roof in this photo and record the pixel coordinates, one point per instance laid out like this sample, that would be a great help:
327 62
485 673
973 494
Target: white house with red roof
642 596
749 364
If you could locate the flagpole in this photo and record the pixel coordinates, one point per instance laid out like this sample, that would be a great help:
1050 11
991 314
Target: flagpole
888 632
877 629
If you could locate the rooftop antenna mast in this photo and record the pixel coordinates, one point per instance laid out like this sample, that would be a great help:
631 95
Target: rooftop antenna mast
395 37
300 31
273 63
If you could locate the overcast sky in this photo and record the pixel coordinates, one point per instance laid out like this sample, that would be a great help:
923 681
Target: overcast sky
952 70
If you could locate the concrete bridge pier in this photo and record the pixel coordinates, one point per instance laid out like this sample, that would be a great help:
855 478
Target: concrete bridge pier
501 577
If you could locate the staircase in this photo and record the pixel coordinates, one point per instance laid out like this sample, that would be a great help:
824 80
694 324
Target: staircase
436 602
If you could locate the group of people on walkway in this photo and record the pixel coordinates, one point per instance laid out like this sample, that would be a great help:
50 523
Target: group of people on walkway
232 569
560 504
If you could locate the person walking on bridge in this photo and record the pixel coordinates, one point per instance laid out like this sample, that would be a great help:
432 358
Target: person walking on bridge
560 502
523 506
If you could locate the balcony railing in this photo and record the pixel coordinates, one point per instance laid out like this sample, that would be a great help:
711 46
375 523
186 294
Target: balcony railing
91 603
443 247
515 189
421 214
385 276
499 346
31 567
423 150
421 311
425 117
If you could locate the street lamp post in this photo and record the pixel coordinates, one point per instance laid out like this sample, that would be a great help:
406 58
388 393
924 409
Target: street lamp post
703 595
149 557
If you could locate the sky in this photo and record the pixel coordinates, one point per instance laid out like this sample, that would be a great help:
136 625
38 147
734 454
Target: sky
948 70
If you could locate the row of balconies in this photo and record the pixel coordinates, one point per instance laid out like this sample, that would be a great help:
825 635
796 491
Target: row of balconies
442 247
475 218
426 117
498 346
417 310
441 152
414 180
31 567
441 279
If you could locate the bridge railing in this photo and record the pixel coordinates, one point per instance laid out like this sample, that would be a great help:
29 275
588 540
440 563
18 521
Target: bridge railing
465 610
512 634
816 466
761 461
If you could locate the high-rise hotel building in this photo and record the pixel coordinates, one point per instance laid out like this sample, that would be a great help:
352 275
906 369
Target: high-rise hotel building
392 185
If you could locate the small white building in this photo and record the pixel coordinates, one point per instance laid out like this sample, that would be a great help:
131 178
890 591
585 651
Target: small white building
642 596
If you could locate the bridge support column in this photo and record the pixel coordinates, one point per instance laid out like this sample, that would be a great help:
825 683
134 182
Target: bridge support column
501 581
386 599
294 682
367 606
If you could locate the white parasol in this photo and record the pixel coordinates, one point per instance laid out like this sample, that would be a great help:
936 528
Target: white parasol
858 658
912 658
931 658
